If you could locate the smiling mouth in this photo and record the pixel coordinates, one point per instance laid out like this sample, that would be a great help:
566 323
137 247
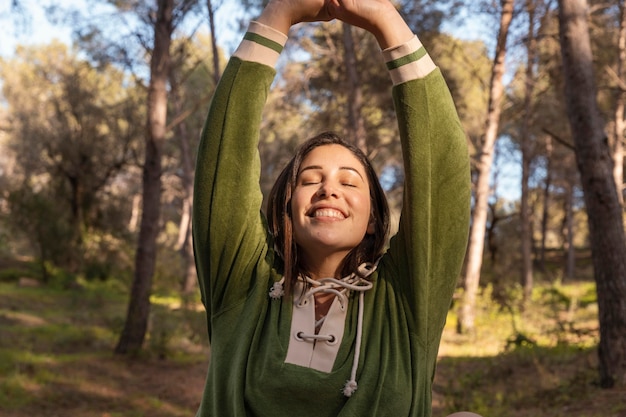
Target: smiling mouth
327 212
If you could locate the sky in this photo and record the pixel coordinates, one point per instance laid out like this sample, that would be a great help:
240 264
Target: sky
39 30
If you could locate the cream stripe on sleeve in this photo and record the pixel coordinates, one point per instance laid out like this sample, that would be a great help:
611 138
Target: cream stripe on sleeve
408 61
261 44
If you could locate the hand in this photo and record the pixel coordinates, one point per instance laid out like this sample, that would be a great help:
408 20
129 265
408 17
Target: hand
379 17
366 14
282 14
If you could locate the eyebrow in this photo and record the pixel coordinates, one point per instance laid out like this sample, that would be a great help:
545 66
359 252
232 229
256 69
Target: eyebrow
345 168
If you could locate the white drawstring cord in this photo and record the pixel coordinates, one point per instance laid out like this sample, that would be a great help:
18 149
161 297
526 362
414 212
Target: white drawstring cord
351 384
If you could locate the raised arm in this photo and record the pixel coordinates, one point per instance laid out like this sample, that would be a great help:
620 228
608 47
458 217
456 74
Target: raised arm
229 232
428 251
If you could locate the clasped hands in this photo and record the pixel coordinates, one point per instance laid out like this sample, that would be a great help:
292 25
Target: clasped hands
378 17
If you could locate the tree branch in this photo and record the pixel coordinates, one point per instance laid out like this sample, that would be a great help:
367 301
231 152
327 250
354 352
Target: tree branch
556 137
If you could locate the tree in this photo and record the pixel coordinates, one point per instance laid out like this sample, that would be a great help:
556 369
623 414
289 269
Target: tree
526 147
355 129
211 7
189 91
484 161
133 334
185 239
619 124
608 243
72 136
552 158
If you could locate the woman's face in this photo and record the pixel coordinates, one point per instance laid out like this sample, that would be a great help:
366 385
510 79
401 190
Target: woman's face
330 205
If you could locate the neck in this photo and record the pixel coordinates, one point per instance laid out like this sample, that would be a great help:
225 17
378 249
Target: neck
328 266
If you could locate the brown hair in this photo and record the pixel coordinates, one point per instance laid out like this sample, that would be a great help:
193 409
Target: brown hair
279 211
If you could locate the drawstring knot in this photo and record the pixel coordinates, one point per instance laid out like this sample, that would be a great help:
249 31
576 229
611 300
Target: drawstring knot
277 289
340 287
349 388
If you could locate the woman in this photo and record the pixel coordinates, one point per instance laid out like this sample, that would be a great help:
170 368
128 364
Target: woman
305 317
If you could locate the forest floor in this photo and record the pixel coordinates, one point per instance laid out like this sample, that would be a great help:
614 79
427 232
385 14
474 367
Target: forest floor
56 359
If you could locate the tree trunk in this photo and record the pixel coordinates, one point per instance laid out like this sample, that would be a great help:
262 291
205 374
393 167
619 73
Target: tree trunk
184 244
620 124
527 146
483 167
568 234
356 125
134 214
132 337
216 57
546 204
75 255
606 229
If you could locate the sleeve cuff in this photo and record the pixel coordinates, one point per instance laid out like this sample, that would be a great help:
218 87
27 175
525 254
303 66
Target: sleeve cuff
262 44
408 61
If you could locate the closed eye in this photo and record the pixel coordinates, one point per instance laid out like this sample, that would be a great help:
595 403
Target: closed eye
309 178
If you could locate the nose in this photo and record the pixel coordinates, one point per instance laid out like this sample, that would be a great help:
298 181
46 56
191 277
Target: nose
327 189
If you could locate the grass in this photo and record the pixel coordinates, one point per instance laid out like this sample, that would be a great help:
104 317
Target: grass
56 357
540 361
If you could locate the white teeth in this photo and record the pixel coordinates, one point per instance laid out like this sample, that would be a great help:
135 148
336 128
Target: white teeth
328 213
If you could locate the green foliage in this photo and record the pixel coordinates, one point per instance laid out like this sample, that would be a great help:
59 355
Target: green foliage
539 359
556 315
90 318
175 325
11 275
466 67
163 327
494 386
43 223
58 278
14 273
13 393
573 310
69 139
107 257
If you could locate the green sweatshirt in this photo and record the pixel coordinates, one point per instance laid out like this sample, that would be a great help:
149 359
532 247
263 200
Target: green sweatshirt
259 366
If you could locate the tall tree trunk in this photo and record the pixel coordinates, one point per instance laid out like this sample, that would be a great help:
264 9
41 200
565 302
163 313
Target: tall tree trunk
570 269
356 125
74 257
546 204
216 57
568 233
134 214
134 332
185 244
483 166
620 99
527 151
606 229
